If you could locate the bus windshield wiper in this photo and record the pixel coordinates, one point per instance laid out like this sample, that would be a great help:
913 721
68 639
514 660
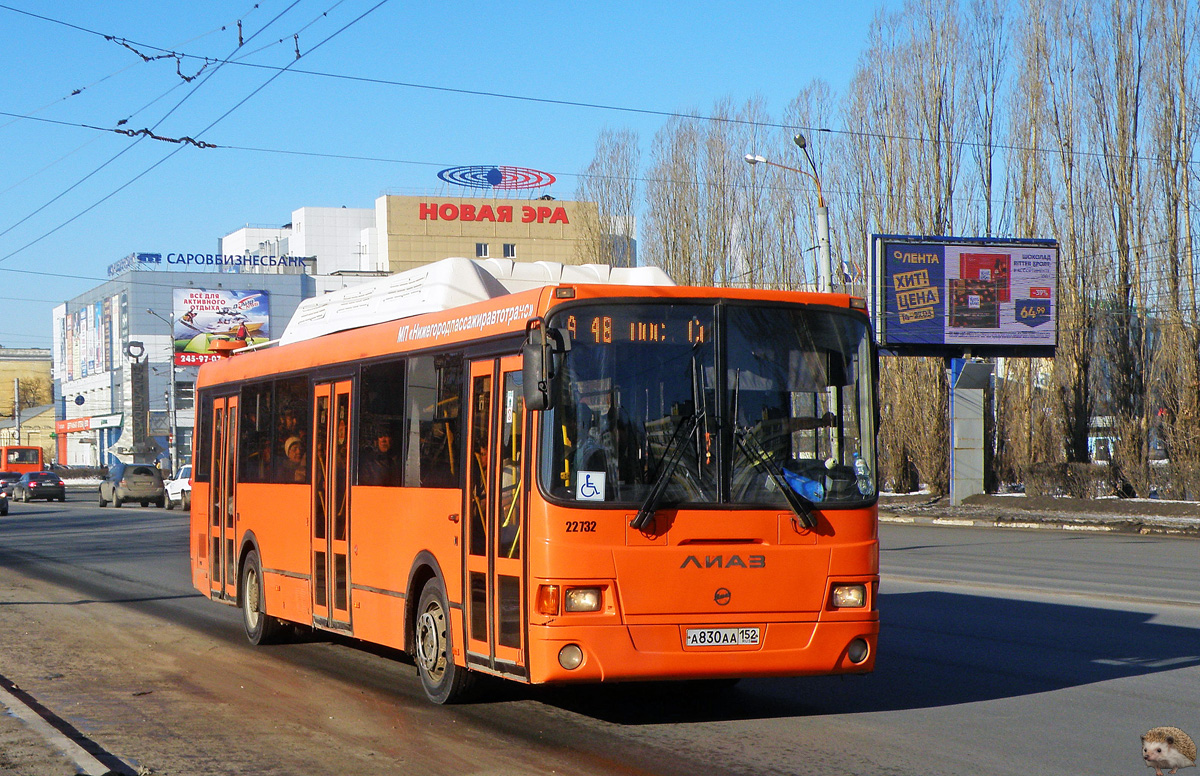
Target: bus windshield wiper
670 460
799 504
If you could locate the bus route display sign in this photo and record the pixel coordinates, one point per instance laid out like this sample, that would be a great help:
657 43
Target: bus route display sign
936 295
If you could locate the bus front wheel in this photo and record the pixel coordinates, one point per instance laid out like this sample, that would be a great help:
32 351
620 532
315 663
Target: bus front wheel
261 628
444 682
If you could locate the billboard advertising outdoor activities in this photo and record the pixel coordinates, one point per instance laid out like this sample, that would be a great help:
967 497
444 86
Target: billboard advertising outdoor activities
203 316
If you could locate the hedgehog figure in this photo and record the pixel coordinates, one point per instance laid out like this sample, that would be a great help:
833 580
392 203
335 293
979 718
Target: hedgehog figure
1168 747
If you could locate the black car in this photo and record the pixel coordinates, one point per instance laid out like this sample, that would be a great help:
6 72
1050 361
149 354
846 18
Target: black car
47 485
7 480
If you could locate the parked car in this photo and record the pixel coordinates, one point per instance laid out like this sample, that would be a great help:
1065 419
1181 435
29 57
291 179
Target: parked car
7 480
179 490
3 502
141 482
47 485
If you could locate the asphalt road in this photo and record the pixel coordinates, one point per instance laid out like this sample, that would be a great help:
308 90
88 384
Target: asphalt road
1001 652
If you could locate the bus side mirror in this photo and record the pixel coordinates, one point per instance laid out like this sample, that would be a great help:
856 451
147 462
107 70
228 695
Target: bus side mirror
542 353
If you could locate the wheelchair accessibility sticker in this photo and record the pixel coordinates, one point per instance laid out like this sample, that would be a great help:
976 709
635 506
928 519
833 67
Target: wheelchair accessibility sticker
589 486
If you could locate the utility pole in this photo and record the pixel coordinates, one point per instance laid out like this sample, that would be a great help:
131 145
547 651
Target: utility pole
824 268
17 408
173 444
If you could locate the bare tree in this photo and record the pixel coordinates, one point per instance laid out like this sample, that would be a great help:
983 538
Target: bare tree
611 182
674 201
903 104
935 24
877 181
1054 35
33 392
796 231
710 214
1027 421
988 44
1114 43
1172 87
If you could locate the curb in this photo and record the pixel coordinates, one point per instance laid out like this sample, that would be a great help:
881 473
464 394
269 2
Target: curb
59 734
1127 524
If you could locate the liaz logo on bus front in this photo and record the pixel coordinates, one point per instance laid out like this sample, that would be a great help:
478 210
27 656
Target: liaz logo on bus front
726 562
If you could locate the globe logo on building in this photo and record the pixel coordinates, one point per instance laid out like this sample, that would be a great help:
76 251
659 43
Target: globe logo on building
496 177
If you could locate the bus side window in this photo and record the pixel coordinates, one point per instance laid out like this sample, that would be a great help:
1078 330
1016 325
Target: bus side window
204 436
380 454
292 424
433 422
255 431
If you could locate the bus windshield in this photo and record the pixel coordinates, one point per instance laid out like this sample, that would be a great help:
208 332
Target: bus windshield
730 404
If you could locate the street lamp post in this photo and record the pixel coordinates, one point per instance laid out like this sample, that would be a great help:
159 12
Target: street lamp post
174 444
824 266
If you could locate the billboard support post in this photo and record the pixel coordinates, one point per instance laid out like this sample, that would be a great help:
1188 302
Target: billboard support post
968 385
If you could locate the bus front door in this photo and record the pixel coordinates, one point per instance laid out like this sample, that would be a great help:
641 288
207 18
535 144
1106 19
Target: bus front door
222 507
495 583
331 504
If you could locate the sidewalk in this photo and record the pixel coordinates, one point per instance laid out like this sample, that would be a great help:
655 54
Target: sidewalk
24 753
1141 516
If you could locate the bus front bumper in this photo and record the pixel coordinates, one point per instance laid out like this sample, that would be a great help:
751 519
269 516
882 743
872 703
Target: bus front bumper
660 651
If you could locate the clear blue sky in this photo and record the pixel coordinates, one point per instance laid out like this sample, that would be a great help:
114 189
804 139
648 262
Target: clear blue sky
58 234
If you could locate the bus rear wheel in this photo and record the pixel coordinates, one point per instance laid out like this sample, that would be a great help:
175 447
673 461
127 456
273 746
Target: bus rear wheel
444 682
261 628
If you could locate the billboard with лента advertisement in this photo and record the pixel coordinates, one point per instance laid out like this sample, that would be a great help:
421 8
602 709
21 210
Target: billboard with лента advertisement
934 294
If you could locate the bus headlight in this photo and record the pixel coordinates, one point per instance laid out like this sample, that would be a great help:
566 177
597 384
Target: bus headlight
849 596
582 599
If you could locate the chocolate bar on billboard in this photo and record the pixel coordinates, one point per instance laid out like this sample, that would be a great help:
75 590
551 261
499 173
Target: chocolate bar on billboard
973 304
989 268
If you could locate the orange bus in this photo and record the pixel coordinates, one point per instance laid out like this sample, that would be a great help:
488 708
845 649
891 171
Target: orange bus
568 481
21 458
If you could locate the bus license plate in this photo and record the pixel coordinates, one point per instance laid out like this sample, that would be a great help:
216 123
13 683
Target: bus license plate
721 637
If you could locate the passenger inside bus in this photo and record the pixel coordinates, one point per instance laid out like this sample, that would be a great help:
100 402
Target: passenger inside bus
294 466
437 453
258 462
379 463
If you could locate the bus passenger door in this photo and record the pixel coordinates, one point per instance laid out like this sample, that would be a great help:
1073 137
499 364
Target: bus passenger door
495 517
331 503
222 507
